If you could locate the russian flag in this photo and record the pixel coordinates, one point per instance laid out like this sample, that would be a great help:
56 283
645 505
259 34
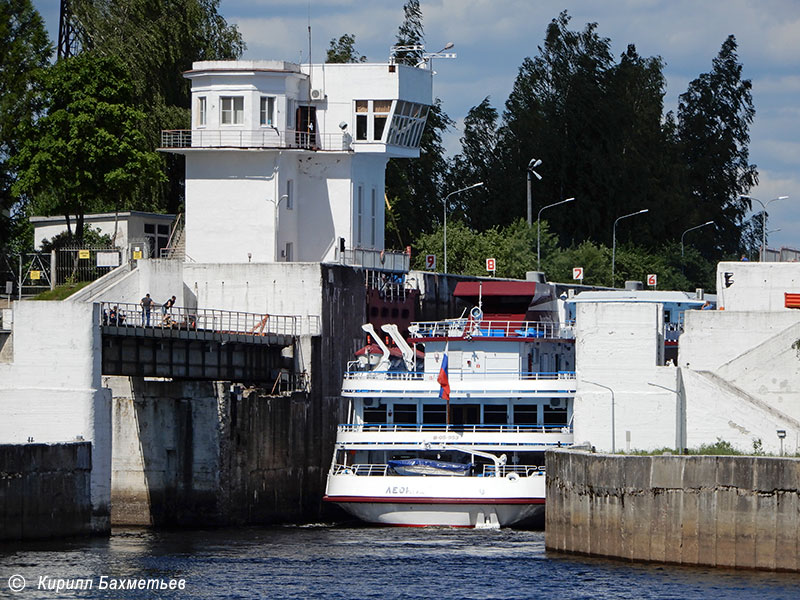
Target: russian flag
443 380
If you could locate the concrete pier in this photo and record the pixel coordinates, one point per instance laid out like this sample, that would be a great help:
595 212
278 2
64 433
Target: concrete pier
727 511
45 490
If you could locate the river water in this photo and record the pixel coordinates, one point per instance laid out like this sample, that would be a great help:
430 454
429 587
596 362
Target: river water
353 563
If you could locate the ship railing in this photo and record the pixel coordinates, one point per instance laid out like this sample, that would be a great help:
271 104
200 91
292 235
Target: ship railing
367 470
360 469
471 329
354 372
500 429
267 137
522 470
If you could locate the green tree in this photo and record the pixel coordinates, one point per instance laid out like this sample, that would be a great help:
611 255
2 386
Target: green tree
414 187
477 162
88 152
714 117
24 53
343 50
157 42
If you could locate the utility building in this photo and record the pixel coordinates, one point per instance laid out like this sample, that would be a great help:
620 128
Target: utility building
286 162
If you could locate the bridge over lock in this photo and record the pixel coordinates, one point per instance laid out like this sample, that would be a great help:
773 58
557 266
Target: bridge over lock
203 344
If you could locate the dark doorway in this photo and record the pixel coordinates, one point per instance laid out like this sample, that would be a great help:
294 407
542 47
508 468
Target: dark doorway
306 135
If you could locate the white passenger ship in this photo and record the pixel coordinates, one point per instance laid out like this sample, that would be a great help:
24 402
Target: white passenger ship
409 457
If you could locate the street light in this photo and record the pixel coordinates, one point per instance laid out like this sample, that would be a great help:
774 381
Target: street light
613 432
535 162
680 416
687 231
275 230
446 198
537 223
692 229
763 222
614 240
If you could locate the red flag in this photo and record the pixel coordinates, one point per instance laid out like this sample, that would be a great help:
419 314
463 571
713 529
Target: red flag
443 380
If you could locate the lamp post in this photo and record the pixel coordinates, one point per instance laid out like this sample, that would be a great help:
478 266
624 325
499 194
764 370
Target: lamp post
444 221
763 222
535 162
687 231
680 417
613 420
275 223
537 222
614 240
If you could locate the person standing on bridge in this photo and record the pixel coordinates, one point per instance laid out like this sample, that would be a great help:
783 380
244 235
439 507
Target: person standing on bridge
147 304
166 316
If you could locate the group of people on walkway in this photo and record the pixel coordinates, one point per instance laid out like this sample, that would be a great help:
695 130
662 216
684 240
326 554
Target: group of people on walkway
148 303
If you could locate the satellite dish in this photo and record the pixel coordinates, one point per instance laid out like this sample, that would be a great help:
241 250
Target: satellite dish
476 314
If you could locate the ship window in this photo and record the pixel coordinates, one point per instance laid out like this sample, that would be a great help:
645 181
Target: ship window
405 414
526 415
434 414
232 110
555 416
495 414
375 414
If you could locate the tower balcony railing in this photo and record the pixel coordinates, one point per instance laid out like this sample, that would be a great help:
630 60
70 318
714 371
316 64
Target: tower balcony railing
254 138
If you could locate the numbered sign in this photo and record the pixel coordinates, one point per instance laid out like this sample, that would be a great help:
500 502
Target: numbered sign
577 273
652 280
430 261
491 264
83 254
137 253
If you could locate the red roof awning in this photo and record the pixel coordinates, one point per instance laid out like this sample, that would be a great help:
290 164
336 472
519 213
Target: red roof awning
470 289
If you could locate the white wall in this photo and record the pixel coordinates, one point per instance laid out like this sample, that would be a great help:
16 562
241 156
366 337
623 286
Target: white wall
757 286
52 390
617 350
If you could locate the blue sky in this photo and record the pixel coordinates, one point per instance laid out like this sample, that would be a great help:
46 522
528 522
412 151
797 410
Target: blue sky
492 37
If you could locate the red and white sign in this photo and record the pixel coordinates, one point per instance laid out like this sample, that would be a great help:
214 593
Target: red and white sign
652 280
577 273
491 264
430 261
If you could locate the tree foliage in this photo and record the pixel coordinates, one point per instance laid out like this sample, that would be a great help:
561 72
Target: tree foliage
414 187
714 118
343 50
87 153
24 54
157 42
598 125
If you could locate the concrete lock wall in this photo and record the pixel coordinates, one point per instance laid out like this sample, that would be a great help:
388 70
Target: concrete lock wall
45 490
727 511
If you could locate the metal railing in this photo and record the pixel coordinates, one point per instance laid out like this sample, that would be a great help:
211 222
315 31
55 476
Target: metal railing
254 138
498 429
368 469
121 314
365 469
378 260
468 328
354 372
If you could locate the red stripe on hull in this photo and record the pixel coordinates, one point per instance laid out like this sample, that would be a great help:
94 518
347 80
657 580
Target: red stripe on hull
377 500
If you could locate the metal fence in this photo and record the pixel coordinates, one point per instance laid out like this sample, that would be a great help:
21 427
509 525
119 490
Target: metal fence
378 260
122 314
78 264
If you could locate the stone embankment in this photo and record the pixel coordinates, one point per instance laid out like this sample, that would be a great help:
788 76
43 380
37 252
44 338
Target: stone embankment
727 511
45 490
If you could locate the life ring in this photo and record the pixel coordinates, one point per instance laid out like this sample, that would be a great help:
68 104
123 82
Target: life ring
476 314
512 476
